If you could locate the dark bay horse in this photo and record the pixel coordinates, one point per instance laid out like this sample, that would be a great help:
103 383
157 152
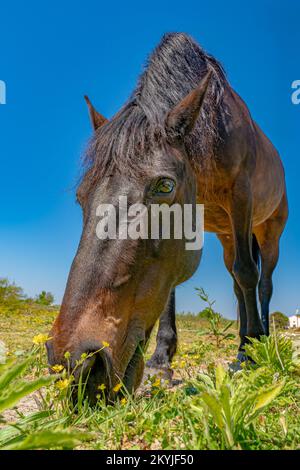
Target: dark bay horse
184 136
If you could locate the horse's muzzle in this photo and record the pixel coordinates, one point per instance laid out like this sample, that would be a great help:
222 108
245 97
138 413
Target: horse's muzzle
91 367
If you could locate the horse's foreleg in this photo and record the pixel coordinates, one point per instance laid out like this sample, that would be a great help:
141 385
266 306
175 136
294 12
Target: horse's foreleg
265 289
268 236
228 254
244 267
166 339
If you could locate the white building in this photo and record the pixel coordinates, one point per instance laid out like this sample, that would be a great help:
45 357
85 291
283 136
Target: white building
294 321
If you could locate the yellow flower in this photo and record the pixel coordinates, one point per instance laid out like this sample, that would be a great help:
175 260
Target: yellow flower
40 339
105 344
182 364
117 387
123 401
156 383
102 387
57 368
67 355
62 384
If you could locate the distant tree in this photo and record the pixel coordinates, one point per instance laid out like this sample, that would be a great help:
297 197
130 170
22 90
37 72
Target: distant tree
280 319
44 298
10 293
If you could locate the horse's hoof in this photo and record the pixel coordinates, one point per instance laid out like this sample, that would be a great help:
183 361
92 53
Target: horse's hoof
242 357
163 373
235 366
156 363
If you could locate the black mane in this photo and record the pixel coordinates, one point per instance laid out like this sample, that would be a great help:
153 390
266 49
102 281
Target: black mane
173 69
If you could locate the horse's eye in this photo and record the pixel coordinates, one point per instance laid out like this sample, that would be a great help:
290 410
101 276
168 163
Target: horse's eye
164 186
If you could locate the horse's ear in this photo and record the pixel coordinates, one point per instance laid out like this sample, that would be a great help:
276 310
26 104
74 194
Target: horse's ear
97 119
182 118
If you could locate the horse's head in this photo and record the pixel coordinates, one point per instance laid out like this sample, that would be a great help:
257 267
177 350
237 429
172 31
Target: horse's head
119 286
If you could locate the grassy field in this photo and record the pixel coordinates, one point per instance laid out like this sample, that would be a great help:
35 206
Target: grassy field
204 407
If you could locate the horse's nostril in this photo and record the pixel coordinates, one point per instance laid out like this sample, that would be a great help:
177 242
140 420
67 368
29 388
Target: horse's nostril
53 357
98 377
50 352
83 367
94 372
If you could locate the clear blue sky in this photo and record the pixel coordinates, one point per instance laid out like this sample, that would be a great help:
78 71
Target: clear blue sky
53 52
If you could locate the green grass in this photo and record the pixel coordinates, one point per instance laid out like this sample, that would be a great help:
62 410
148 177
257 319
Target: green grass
256 408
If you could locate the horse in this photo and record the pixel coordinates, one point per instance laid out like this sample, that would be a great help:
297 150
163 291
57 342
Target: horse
184 136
